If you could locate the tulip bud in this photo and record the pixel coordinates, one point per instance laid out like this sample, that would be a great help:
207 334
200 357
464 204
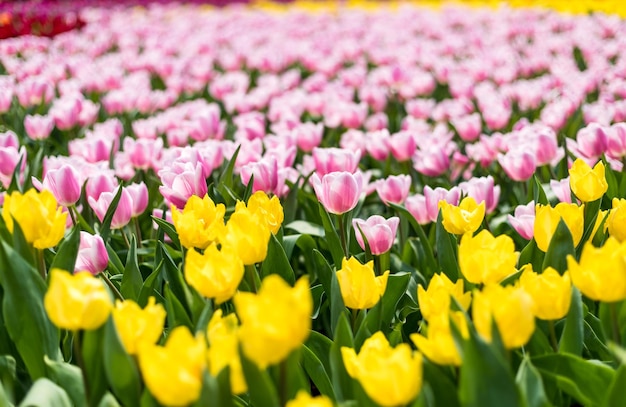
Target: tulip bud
466 217
215 274
64 184
222 334
137 327
360 287
485 259
436 299
547 219
550 291
92 254
339 192
588 185
379 232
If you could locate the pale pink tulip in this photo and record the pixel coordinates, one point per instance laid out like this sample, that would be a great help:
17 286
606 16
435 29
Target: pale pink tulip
123 211
38 127
139 196
523 221
433 196
181 181
393 189
332 159
519 165
416 205
92 254
379 232
63 182
339 192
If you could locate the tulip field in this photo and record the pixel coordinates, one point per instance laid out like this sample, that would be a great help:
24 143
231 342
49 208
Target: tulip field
313 204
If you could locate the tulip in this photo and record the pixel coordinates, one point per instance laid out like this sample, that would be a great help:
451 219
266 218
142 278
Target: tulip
222 334
485 259
482 190
601 272
416 205
436 299
379 232
99 183
510 308
518 164
339 192
9 158
78 301
275 321
64 184
143 153
433 196
215 274
200 223
466 217
439 345
402 145
248 234
389 376
551 292
37 214
616 222
393 189
136 326
329 160
562 190
173 373
588 185
123 211
523 220
92 254
547 220
38 127
592 141
308 135
468 127
139 196
181 181
268 209
360 287
303 399
265 174
431 161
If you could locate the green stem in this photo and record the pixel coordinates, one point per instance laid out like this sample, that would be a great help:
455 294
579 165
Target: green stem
354 315
251 277
342 233
112 286
41 264
76 351
71 209
283 382
617 337
137 230
553 341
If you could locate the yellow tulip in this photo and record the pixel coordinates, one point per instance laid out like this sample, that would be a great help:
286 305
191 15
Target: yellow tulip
76 301
136 326
224 349
547 219
466 217
200 223
587 184
439 345
616 222
436 299
40 218
173 373
601 272
551 292
248 234
485 259
389 376
303 399
275 321
360 288
270 210
216 273
510 307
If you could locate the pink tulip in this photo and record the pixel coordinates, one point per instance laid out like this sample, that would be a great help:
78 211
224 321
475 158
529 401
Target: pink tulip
143 153
562 190
592 141
468 127
433 196
308 135
377 144
393 189
482 190
519 165
38 127
92 254
139 196
99 183
181 181
339 191
616 137
9 158
9 139
524 220
377 121
332 159
123 212
65 112
379 232
431 161
265 172
416 205
6 98
402 145
63 182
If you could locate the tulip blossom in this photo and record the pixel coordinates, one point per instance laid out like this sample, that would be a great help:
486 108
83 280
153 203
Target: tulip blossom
393 189
436 299
339 192
275 321
63 182
485 259
433 196
416 205
303 399
547 220
223 336
329 160
79 301
10 157
523 220
616 222
38 127
123 211
92 254
215 274
136 326
379 232
248 233
269 210
181 181
390 376
360 287
587 184
466 217
550 291
519 165
439 345
200 223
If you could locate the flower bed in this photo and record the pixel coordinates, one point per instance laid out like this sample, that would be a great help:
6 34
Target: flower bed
279 207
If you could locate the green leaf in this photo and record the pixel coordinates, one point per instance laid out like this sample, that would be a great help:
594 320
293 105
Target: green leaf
7 379
573 332
447 251
306 228
396 287
332 237
443 386
536 192
260 387
276 262
45 393
93 358
176 314
561 245
105 228
531 385
585 380
169 230
108 401
320 345
292 376
591 212
120 368
317 372
342 382
486 379
531 254
69 378
174 277
22 307
131 280
151 286
616 397
225 183
432 265
65 259
328 278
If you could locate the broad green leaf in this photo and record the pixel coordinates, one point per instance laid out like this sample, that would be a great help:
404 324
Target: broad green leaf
260 387
69 378
93 364
530 384
276 262
105 228
317 372
65 258
342 382
131 280
23 312
328 278
616 396
396 287
7 379
176 313
447 251
432 265
320 345
332 237
120 368
443 386
45 393
531 254
108 401
306 228
573 332
169 230
561 245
